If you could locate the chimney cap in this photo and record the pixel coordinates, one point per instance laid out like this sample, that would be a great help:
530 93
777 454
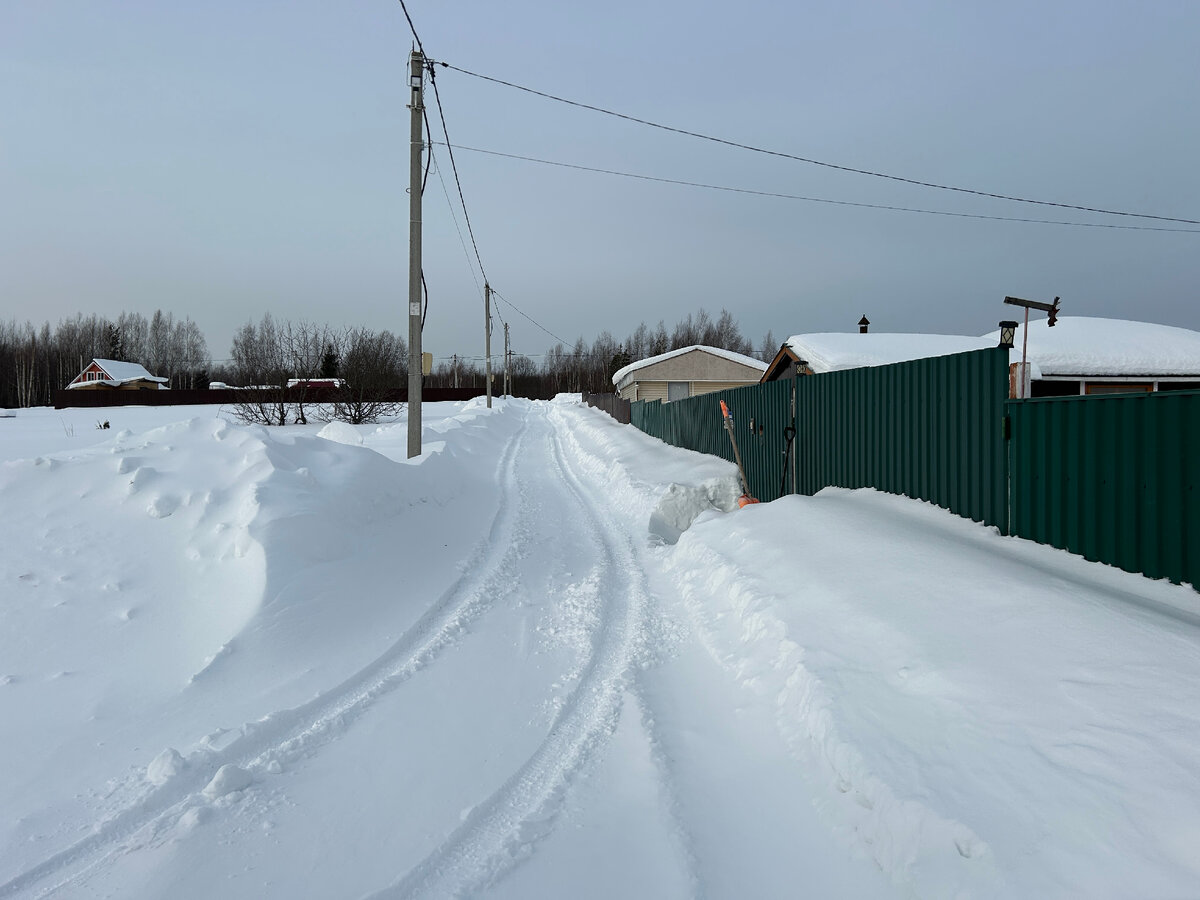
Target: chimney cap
864 321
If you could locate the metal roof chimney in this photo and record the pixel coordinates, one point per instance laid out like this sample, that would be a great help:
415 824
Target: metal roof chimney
862 325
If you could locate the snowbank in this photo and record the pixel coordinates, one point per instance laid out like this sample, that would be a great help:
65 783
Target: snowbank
664 490
550 657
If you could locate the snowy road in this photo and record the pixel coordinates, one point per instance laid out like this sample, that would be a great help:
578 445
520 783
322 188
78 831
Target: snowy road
547 658
528 676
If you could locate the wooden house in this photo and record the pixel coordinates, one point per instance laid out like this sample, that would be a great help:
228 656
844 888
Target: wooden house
112 375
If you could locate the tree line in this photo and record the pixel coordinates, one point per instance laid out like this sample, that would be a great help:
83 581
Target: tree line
293 370
36 362
371 365
590 367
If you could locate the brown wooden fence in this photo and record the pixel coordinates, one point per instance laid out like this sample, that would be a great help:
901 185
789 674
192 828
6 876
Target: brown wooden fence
610 403
95 399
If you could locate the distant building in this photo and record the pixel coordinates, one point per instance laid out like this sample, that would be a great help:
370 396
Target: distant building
112 375
318 383
687 372
834 351
1085 355
1079 355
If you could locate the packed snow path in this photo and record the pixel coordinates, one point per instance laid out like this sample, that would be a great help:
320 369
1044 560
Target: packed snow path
521 672
548 658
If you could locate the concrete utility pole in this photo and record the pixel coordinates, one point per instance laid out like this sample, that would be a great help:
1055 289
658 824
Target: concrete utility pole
487 340
507 382
415 377
455 370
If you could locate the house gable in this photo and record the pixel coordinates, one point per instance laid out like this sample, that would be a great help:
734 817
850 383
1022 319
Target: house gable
781 365
114 374
691 364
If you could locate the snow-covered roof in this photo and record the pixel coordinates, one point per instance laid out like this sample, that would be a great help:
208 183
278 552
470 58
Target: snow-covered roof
1084 345
830 352
715 351
118 373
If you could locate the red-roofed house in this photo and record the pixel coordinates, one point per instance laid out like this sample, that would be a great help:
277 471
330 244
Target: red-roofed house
112 375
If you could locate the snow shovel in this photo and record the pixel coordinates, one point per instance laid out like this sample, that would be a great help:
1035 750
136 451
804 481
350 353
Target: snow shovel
737 457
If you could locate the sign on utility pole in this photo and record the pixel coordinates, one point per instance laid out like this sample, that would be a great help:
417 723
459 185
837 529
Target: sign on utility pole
487 340
416 104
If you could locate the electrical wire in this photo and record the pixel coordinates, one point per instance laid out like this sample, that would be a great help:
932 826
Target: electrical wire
454 168
909 209
412 28
454 218
496 293
817 162
425 290
428 159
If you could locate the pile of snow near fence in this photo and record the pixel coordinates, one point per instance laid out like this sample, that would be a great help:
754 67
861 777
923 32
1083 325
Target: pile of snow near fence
551 657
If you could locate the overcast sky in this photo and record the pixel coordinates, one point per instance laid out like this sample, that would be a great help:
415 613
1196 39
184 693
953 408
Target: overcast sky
225 159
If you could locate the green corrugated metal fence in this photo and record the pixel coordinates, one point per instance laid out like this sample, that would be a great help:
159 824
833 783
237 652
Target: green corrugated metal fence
932 429
696 423
1113 478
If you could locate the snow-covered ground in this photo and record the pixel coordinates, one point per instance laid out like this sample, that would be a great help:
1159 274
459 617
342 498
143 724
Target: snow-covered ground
551 658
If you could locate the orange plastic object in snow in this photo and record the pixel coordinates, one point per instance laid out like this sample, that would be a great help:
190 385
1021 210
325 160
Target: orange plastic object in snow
745 499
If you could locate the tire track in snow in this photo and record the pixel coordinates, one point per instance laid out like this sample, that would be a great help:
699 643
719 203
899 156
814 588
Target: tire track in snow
503 829
285 735
670 795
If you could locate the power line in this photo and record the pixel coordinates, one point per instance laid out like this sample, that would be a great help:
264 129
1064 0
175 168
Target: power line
529 317
817 162
454 218
736 190
412 28
454 168
429 159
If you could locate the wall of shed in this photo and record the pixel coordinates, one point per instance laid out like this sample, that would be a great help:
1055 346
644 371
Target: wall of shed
657 390
652 390
708 387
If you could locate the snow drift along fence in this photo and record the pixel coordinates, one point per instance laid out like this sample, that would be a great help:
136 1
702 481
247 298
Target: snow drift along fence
932 429
612 404
1114 478
760 413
